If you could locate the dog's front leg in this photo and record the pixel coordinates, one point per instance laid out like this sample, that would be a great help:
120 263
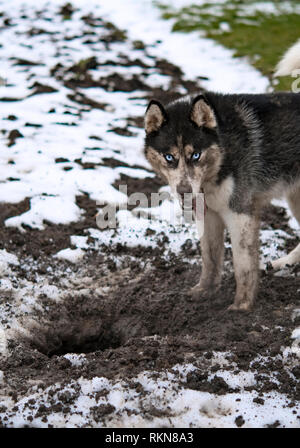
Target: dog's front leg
244 233
212 251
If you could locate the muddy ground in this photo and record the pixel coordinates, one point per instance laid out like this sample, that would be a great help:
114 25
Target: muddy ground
146 320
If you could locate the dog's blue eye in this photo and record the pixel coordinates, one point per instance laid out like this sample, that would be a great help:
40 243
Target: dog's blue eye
196 156
169 157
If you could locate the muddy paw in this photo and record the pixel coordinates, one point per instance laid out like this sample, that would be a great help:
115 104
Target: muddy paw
196 292
239 307
199 291
281 263
269 267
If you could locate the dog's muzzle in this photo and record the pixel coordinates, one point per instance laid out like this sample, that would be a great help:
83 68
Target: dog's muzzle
185 192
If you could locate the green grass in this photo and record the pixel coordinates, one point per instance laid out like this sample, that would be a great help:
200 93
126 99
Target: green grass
262 37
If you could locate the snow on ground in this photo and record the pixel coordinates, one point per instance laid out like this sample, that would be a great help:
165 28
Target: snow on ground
52 186
52 189
34 155
197 56
185 408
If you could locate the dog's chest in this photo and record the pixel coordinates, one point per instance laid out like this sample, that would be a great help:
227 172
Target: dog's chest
217 196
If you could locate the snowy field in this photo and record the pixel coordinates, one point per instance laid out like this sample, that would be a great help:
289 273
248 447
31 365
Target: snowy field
96 327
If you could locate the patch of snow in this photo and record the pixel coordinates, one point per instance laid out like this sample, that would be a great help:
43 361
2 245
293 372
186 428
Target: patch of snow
79 241
75 359
57 210
71 255
7 259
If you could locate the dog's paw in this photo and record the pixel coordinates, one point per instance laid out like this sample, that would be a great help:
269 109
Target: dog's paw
196 292
269 267
201 291
240 307
281 263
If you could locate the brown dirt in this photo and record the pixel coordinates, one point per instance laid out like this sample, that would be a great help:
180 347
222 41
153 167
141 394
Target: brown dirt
111 329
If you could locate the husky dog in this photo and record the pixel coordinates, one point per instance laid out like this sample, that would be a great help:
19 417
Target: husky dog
241 151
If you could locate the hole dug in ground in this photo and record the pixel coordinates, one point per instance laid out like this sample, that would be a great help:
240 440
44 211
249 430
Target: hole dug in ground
84 325
86 337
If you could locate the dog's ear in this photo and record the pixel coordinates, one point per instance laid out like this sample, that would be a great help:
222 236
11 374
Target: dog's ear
155 116
202 114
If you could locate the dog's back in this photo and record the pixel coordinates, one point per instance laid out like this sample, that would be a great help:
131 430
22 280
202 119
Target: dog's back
262 129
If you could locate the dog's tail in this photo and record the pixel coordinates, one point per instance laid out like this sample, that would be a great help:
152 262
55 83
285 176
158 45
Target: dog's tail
290 61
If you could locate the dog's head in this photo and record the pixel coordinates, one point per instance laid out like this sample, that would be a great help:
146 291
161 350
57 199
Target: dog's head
182 143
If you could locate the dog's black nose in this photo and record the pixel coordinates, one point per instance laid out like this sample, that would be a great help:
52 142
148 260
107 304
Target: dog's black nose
183 188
